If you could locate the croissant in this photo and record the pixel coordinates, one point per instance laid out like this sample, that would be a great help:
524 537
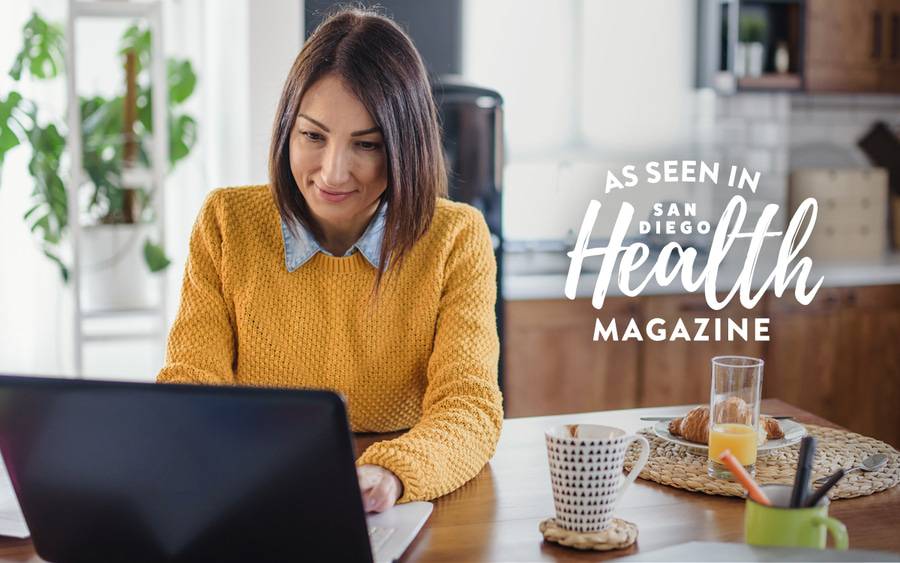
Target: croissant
694 426
773 429
734 409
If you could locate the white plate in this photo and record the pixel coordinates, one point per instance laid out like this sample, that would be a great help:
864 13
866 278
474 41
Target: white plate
793 433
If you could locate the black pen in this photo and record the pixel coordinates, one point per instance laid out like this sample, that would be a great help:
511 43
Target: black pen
823 490
804 469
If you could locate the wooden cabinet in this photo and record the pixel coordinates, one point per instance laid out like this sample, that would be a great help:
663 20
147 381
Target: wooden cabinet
838 357
870 349
890 66
553 366
804 350
852 46
678 372
833 45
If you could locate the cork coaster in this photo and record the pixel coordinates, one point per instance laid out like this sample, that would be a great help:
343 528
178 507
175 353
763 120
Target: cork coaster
685 468
619 535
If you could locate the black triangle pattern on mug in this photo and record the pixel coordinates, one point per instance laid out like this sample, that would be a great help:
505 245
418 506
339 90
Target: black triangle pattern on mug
585 481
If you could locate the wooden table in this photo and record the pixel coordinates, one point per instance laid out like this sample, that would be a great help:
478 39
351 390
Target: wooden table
495 516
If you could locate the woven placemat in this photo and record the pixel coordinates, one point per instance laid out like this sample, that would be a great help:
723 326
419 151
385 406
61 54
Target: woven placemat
685 468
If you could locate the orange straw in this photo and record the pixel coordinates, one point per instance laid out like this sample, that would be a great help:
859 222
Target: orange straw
744 478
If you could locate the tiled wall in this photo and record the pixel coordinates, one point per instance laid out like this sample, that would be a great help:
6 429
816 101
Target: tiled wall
749 131
778 132
840 120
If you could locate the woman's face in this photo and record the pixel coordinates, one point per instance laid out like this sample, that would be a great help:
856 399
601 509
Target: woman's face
337 156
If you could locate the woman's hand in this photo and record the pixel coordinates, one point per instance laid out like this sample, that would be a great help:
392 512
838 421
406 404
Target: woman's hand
380 488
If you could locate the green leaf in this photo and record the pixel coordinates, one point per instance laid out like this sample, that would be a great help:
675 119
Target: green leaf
182 80
137 39
43 223
49 189
102 124
31 211
155 256
16 71
63 270
8 138
145 109
42 50
6 106
41 56
182 136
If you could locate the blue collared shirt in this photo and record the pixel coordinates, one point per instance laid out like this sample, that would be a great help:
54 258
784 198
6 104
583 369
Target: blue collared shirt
298 250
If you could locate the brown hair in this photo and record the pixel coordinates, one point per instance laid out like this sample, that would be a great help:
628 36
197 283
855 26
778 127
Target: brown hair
380 65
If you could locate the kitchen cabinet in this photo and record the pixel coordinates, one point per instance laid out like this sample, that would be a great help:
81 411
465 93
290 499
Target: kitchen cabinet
553 365
852 46
838 357
833 45
802 362
890 66
843 45
870 346
678 372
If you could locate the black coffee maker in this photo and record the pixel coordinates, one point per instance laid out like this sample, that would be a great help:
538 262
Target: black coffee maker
472 121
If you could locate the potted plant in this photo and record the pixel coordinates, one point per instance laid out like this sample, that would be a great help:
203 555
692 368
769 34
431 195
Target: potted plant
115 133
752 34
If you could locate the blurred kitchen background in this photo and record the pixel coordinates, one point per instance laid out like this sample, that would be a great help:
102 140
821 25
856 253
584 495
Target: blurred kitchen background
553 94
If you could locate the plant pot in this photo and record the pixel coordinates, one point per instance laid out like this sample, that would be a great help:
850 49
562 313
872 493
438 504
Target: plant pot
114 273
755 57
740 60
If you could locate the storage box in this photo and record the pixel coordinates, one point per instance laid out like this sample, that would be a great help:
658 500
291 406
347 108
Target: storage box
853 211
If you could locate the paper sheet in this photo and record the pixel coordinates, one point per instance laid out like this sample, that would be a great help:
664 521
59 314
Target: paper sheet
12 523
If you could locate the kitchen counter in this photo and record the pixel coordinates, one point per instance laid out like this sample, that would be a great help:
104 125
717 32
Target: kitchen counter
542 275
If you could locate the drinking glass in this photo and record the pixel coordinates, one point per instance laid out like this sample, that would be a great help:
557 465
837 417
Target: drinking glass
734 412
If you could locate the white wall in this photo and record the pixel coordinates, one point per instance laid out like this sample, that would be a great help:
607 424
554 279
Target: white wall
33 308
587 86
275 37
524 50
638 68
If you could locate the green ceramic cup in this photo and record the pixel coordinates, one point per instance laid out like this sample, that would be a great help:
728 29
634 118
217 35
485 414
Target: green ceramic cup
776 526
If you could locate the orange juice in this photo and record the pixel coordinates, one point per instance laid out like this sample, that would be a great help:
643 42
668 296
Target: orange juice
739 438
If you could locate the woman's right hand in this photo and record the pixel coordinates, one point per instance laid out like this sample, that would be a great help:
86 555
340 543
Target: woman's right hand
380 488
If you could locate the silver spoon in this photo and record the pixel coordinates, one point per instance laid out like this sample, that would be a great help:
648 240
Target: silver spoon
871 463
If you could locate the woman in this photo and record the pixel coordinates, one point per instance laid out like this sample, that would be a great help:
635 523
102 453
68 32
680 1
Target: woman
350 272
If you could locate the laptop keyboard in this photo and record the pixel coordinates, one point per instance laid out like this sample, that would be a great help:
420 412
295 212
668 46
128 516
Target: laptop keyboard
377 537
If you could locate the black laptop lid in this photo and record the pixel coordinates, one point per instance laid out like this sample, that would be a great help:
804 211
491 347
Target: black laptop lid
140 472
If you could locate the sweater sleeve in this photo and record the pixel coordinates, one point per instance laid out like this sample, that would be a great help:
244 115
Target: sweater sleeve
201 343
462 410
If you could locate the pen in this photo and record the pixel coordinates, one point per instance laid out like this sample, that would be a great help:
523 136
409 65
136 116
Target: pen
804 469
823 490
744 478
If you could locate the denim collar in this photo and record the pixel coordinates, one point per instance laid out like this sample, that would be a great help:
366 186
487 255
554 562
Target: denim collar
299 249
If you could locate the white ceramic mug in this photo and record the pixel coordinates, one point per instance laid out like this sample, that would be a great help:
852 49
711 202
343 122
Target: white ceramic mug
586 462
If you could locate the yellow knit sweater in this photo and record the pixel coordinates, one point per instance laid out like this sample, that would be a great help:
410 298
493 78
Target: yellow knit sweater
422 356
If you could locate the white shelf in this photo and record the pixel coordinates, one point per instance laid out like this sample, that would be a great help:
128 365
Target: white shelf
151 11
121 336
118 313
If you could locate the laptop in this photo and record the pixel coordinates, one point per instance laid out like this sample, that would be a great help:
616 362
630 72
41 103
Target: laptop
111 471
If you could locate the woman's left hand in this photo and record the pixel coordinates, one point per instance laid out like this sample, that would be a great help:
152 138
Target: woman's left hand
380 488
